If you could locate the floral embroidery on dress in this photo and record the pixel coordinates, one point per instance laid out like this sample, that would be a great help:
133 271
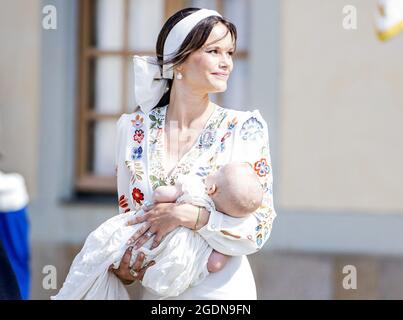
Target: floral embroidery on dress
231 127
155 148
136 170
138 121
261 167
227 233
266 188
203 171
262 229
259 233
156 182
252 129
212 167
136 148
137 152
138 135
123 203
156 118
206 139
137 195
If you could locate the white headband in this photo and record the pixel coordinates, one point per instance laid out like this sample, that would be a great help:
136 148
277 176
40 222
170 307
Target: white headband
149 86
179 33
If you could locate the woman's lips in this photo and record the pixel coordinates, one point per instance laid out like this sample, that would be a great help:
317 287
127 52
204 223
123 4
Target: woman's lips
221 75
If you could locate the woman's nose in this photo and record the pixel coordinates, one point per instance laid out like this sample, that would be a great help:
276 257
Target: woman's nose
224 62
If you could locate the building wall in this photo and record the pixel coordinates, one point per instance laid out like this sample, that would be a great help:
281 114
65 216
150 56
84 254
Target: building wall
337 131
341 111
279 274
20 38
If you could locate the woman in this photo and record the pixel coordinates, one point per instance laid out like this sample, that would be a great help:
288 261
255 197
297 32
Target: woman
176 130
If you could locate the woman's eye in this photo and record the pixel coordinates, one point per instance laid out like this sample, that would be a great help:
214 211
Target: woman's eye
216 51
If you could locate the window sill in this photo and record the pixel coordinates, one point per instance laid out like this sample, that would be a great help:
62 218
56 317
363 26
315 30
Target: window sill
87 198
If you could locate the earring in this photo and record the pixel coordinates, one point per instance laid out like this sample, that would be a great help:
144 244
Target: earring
179 76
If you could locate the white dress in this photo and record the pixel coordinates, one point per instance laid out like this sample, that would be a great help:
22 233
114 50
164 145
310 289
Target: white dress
181 258
229 135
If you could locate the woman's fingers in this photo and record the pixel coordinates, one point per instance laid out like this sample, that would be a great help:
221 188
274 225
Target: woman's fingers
139 233
143 271
138 219
157 241
139 262
124 263
122 272
143 239
148 207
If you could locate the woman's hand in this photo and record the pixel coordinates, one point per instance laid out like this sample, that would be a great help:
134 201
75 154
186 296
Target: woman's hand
124 272
159 219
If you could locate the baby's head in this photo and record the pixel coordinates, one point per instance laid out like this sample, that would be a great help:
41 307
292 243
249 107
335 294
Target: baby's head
235 189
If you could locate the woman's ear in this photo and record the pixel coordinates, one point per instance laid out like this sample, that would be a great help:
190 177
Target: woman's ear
179 68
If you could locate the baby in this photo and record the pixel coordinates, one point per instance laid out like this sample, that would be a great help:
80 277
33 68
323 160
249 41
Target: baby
183 258
235 191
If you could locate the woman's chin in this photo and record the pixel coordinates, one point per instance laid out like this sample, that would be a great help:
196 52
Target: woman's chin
219 88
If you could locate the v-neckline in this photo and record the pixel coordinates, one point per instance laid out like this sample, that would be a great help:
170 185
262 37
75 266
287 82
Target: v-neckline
196 143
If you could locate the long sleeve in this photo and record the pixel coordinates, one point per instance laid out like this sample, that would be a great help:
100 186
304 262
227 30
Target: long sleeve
243 236
122 172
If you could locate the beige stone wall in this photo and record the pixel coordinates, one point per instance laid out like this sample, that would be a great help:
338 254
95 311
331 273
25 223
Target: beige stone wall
278 275
341 109
20 28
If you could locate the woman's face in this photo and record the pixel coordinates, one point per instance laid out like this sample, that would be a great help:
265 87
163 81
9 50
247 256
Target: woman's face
207 69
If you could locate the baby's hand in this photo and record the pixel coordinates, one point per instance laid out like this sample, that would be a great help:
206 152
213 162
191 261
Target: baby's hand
167 193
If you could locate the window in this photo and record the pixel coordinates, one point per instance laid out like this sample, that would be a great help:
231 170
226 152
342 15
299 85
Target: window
111 32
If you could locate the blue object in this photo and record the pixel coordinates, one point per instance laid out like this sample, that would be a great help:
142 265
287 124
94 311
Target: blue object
14 233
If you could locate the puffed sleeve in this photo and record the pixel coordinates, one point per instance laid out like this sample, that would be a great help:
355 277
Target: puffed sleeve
243 236
122 171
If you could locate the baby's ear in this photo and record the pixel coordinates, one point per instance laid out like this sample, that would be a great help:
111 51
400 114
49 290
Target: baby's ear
211 189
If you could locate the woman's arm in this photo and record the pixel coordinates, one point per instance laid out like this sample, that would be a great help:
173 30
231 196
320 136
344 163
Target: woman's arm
122 171
243 236
125 205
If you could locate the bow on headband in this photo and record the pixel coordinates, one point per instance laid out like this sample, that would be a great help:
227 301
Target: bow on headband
149 85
